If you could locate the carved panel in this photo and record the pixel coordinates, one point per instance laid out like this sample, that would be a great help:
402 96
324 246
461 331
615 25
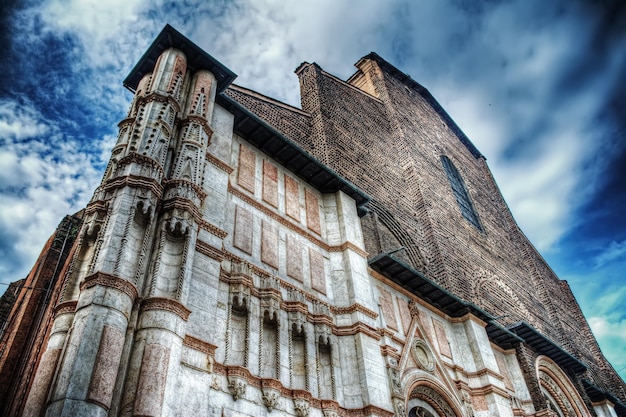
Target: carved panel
270 183
294 258
243 230
318 278
442 339
405 314
312 212
247 168
386 304
292 198
269 244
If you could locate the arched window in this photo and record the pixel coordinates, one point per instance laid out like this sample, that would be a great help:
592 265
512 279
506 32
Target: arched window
460 192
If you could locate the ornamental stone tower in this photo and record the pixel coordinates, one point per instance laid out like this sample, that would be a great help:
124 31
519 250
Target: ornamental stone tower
138 240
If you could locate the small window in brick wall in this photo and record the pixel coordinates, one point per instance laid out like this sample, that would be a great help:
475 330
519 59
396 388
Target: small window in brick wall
460 192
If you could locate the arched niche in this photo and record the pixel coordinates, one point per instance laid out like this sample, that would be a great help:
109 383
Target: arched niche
428 397
558 391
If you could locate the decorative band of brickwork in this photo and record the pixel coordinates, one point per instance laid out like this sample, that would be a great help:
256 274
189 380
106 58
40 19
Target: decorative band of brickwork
299 394
199 345
214 230
96 206
194 118
111 281
135 182
144 160
178 183
166 304
160 97
346 246
65 308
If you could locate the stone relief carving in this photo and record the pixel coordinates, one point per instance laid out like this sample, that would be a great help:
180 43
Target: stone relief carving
301 406
237 387
399 408
422 355
270 398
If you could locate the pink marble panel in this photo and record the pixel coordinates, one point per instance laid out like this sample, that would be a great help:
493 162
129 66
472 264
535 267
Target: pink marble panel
243 230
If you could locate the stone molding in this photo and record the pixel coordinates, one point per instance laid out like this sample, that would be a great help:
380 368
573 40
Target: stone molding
134 157
208 250
211 228
166 304
111 281
219 164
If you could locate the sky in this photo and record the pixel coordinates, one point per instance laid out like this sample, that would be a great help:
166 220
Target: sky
538 86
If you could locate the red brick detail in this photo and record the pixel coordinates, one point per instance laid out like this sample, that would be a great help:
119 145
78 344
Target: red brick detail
318 277
292 198
39 390
312 212
150 390
105 369
270 183
386 304
243 230
269 244
247 168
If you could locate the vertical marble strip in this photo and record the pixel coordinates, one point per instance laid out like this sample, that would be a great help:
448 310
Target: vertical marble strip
152 379
269 244
292 198
270 183
405 314
39 390
504 370
442 339
105 369
247 168
386 304
318 278
243 230
294 258
312 212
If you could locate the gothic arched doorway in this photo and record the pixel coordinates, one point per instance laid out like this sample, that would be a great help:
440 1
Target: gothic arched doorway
427 401
558 391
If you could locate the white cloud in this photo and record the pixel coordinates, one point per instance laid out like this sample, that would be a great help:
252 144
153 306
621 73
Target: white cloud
615 250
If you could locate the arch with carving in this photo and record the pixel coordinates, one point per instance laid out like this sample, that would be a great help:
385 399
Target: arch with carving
428 397
560 394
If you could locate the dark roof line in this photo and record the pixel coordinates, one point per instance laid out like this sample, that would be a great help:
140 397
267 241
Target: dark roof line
197 59
430 99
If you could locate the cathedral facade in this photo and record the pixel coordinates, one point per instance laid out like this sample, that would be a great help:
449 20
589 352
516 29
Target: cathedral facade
243 257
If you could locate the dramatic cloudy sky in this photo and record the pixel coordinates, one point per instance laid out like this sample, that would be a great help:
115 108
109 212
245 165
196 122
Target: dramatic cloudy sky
539 87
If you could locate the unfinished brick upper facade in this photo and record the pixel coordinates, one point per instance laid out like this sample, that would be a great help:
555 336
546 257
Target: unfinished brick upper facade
350 258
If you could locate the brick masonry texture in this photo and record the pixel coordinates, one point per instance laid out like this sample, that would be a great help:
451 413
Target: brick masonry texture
387 137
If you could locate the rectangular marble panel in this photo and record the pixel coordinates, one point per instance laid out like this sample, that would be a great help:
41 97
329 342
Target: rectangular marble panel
318 278
294 258
247 168
269 244
107 363
243 230
270 183
39 391
312 212
442 339
386 304
152 379
292 198
405 314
